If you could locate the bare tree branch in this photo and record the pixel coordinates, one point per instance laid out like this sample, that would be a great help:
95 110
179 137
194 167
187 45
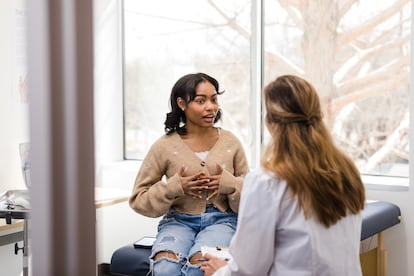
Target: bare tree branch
231 21
295 3
372 78
370 24
345 7
380 87
291 7
272 57
389 34
288 66
361 56
392 140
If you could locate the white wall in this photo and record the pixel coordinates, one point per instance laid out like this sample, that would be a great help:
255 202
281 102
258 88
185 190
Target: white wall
13 117
10 264
13 107
108 83
117 225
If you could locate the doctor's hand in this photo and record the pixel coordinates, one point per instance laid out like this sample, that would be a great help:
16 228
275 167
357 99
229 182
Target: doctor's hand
193 185
212 264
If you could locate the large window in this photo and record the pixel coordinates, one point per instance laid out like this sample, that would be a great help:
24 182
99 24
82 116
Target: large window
357 57
165 40
356 53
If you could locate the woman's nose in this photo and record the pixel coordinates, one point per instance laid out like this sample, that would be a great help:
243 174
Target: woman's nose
209 105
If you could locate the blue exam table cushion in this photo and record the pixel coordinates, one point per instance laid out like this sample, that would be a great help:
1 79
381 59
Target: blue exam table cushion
376 217
129 260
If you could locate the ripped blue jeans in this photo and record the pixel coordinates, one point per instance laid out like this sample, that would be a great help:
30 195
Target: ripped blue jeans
184 235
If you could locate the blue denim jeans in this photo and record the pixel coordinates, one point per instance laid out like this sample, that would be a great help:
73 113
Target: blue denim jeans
184 235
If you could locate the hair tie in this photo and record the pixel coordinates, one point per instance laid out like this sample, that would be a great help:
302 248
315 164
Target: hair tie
311 121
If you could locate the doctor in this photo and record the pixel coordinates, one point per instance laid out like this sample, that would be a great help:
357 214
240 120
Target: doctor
300 213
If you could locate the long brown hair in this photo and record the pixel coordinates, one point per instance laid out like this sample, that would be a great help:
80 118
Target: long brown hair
325 181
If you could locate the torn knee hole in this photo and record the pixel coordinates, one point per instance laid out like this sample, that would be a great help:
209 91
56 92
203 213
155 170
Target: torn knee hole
197 258
165 254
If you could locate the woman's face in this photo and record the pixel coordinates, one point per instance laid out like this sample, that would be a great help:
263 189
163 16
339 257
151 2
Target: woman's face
202 110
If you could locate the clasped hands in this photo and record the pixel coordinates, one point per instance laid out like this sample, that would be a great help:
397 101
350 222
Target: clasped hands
197 184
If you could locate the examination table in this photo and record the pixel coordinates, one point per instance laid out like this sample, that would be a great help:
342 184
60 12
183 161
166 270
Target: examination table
377 216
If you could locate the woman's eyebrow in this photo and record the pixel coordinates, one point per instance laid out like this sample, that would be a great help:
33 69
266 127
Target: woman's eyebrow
204 95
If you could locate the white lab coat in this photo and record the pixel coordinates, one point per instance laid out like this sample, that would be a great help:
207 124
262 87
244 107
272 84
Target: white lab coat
274 238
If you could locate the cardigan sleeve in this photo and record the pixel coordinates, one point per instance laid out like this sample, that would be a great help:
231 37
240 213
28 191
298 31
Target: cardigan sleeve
151 195
231 184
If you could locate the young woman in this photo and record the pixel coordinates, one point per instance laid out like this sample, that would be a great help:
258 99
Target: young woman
300 214
203 167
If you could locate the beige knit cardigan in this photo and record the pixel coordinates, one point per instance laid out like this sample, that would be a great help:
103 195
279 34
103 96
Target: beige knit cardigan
153 195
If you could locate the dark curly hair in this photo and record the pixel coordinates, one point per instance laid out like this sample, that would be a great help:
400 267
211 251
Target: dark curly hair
185 88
